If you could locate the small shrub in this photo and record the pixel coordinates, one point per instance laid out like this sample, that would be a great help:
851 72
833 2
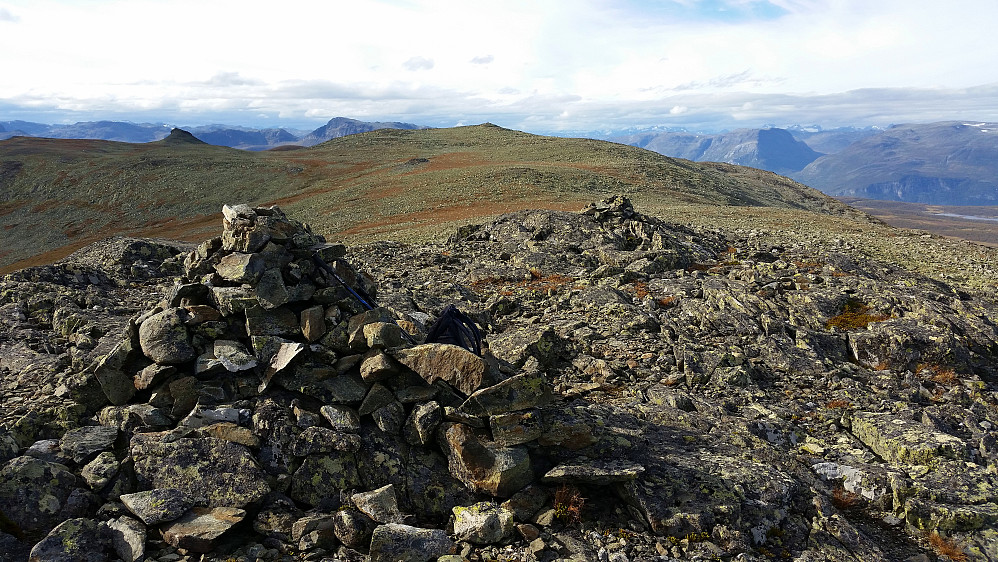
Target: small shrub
938 374
945 546
568 504
641 289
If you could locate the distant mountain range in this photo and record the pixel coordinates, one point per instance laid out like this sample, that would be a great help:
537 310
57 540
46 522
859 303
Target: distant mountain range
775 150
948 163
945 163
220 135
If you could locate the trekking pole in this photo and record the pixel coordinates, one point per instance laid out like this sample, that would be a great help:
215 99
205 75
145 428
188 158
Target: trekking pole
361 295
364 302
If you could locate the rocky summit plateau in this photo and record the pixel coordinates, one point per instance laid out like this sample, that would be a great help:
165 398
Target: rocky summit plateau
648 390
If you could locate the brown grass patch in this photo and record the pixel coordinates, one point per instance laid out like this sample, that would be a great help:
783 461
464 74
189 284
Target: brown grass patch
666 302
945 546
855 315
540 284
844 499
938 373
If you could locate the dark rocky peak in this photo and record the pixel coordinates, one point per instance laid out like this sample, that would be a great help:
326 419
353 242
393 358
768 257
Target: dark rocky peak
181 137
647 391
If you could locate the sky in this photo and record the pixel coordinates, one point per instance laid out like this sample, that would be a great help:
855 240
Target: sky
546 66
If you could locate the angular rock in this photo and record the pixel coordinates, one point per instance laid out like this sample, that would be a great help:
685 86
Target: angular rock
380 335
310 523
341 418
483 523
484 467
594 472
389 418
380 505
277 321
285 354
516 428
454 365
377 366
313 323
232 300
271 290
322 440
378 397
228 431
201 528
240 268
128 538
234 356
323 384
905 442
164 338
73 539
210 472
516 347
151 376
401 543
423 423
83 443
353 528
521 392
527 502
99 472
157 506
116 385
201 314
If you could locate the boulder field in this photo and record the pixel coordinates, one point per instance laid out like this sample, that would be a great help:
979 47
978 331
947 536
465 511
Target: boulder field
647 391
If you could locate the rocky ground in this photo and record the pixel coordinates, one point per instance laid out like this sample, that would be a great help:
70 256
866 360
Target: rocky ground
651 392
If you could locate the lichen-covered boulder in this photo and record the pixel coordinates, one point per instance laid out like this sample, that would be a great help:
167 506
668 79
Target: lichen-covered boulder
34 493
903 441
74 539
323 476
164 338
482 523
210 472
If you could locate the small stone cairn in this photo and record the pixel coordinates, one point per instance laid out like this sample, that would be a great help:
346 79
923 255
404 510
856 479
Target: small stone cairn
261 389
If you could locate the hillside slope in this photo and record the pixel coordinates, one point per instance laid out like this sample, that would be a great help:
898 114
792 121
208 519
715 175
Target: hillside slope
58 195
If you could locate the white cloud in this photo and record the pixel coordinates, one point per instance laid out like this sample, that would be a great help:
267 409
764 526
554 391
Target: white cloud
581 64
418 63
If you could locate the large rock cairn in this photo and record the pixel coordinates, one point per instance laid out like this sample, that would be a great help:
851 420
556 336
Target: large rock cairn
262 397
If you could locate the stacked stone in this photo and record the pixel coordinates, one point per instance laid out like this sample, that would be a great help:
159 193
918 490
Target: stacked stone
260 385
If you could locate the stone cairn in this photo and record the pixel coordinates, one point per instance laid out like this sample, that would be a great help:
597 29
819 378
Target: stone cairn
261 389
